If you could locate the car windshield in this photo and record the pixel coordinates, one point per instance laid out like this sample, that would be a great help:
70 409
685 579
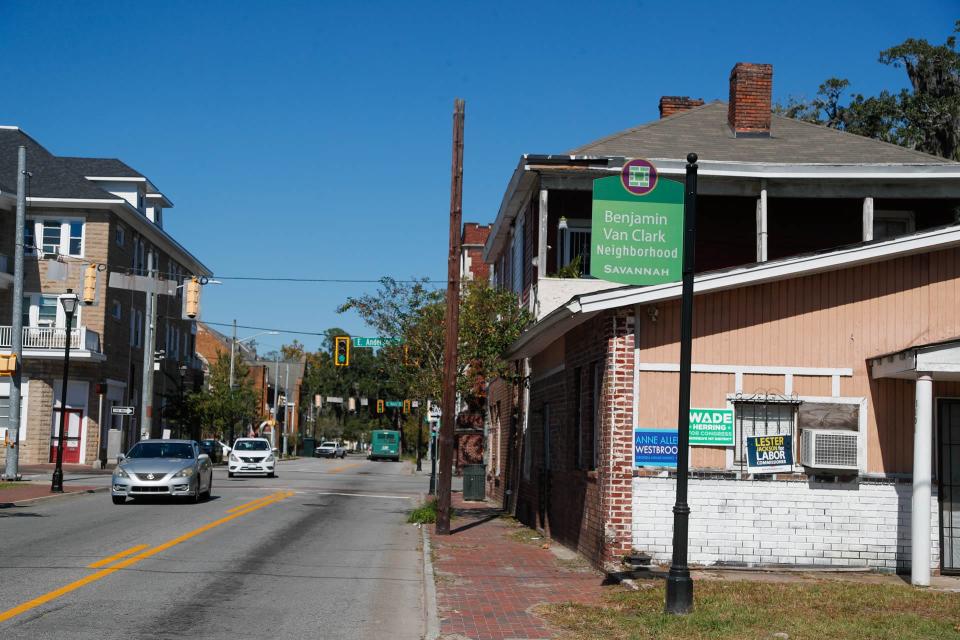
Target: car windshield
329 444
180 450
251 445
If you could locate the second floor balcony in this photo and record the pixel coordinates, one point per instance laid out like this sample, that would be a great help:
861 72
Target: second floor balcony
50 342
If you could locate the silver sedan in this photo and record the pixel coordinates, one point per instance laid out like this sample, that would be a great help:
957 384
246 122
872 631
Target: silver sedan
163 468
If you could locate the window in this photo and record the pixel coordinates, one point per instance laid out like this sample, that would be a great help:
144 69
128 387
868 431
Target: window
139 255
762 418
116 310
55 236
136 328
516 259
596 404
120 236
5 411
890 224
575 242
44 310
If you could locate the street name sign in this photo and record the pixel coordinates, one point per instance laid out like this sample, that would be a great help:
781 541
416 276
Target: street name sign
394 403
637 230
376 342
121 411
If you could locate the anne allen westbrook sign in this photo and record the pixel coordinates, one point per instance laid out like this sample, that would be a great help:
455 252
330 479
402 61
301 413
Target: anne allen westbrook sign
637 231
654 447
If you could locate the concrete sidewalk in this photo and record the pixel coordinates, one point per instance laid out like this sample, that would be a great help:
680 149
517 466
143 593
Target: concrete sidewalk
489 581
28 492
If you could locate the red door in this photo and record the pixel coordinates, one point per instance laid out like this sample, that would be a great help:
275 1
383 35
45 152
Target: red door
71 442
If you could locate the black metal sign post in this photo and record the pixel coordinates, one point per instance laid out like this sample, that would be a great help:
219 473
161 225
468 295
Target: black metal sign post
679 584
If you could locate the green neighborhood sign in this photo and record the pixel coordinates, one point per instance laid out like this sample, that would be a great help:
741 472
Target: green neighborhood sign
637 231
711 427
375 342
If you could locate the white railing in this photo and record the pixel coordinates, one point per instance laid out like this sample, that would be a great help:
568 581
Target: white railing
81 338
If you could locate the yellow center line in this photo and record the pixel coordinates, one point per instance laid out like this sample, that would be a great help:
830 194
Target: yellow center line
123 564
240 507
117 556
339 469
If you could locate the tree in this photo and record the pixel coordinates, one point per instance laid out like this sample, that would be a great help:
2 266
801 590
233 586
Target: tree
925 117
219 408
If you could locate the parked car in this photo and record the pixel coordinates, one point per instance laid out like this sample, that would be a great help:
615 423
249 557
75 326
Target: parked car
224 449
162 468
251 456
213 449
330 450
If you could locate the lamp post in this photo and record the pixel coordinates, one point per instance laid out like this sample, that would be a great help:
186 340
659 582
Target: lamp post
183 408
69 303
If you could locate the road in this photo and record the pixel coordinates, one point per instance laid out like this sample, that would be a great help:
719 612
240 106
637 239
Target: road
322 551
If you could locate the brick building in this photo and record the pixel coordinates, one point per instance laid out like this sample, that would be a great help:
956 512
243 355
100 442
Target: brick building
83 211
828 270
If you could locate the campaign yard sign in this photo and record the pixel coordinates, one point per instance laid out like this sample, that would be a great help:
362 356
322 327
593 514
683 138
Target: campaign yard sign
711 427
655 447
769 454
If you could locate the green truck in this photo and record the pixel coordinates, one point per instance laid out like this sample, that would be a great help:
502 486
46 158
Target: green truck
385 445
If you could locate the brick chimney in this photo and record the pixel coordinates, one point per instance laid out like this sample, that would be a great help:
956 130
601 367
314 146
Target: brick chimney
751 88
670 105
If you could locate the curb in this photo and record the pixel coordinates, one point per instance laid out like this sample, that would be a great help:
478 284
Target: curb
29 501
429 591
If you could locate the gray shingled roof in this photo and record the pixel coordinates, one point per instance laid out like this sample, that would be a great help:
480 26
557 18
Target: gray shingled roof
102 167
52 176
705 131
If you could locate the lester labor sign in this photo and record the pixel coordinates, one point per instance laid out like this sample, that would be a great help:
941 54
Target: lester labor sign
769 454
637 231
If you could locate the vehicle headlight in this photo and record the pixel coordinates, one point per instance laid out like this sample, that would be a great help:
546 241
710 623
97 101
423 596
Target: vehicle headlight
184 473
120 473
268 458
234 458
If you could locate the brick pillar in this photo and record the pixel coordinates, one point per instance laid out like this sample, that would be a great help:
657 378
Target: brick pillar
615 474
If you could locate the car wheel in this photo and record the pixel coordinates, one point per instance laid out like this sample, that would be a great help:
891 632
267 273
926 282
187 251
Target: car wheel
206 494
119 499
229 474
271 475
195 498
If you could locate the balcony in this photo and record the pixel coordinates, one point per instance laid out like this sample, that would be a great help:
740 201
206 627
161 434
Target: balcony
49 342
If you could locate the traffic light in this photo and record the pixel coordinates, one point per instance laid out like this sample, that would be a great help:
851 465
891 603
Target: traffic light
90 284
341 351
380 406
406 406
193 297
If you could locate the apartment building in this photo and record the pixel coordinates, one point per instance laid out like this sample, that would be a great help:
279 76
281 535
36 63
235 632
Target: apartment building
83 211
828 275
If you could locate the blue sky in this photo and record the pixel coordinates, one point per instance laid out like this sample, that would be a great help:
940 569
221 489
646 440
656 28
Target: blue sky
312 139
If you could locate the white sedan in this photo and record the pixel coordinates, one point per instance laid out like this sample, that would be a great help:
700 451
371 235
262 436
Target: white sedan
251 456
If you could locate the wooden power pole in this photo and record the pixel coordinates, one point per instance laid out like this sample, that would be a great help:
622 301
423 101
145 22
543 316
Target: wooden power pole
448 409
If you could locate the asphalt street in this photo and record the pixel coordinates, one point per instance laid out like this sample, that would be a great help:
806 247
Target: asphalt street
321 551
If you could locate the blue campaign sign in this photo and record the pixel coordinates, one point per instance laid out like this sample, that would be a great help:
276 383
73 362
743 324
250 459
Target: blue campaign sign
769 454
654 447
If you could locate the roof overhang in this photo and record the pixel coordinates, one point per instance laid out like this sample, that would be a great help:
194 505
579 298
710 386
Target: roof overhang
941 360
568 316
130 216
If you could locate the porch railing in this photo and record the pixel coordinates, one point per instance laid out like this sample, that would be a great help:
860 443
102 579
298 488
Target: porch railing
81 338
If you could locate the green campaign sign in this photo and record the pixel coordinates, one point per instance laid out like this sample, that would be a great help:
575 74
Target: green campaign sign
711 427
637 231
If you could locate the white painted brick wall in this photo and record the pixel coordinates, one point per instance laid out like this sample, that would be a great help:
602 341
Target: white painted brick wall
776 522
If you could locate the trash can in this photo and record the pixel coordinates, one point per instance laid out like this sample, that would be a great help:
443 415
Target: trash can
474 482
309 447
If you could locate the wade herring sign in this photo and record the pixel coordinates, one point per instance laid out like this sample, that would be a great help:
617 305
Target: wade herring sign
769 454
637 231
711 427
655 448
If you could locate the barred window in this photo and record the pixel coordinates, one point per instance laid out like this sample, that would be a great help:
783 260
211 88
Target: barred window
762 416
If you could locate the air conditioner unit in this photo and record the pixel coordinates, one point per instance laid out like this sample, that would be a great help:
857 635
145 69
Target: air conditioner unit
830 449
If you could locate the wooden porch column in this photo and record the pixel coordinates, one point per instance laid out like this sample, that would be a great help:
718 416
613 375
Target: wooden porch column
867 219
922 478
542 235
762 223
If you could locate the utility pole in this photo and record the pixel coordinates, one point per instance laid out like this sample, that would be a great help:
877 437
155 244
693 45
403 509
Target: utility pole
233 351
448 406
286 405
149 346
12 467
419 437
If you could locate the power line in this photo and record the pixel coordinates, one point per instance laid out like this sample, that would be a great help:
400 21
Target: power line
253 328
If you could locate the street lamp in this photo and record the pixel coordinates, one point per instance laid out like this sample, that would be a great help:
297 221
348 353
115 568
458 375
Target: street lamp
69 303
234 342
183 411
